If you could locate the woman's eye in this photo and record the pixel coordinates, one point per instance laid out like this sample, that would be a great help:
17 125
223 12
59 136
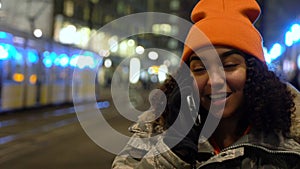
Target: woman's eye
230 65
199 69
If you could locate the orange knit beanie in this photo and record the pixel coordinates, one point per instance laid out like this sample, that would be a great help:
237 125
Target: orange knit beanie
225 23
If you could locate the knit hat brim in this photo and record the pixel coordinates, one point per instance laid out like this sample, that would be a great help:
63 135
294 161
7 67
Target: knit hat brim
232 33
228 23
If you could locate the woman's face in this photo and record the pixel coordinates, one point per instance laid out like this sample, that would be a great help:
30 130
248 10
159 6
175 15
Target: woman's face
217 88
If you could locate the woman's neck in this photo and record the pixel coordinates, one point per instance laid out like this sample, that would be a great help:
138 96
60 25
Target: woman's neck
226 132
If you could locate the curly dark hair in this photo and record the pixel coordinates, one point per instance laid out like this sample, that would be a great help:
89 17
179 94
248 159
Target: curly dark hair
268 102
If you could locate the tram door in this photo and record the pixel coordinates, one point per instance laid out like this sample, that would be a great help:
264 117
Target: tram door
45 76
59 76
73 55
12 94
1 67
3 54
32 68
84 77
30 95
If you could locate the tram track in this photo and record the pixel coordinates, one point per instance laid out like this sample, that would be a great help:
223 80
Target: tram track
24 134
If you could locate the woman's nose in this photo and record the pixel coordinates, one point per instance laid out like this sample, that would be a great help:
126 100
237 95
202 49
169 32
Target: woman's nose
216 78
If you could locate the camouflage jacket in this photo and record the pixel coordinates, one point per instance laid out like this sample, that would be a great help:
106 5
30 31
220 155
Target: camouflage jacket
146 149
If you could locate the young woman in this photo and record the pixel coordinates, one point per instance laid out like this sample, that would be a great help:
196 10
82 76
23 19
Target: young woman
254 110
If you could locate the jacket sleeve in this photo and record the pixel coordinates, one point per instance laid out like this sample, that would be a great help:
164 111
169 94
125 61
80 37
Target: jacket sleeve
146 149
140 154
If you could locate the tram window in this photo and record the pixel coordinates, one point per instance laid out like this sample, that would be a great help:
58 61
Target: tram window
13 71
47 73
6 52
32 66
13 66
43 76
6 70
18 66
61 74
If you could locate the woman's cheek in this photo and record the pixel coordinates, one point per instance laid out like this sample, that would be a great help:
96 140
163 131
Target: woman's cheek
200 83
237 79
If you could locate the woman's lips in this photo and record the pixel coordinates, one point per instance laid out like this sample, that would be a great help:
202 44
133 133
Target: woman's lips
219 98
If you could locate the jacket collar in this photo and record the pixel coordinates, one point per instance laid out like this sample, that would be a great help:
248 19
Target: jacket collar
275 142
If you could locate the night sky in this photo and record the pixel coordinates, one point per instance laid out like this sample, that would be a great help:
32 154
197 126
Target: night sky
277 17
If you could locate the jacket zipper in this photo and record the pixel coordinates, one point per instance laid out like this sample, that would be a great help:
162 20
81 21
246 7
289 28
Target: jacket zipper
262 148
253 146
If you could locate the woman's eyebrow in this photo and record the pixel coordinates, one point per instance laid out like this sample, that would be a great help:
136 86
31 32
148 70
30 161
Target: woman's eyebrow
195 57
231 52
223 55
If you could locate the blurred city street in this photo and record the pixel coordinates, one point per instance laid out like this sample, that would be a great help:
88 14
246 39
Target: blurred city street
53 138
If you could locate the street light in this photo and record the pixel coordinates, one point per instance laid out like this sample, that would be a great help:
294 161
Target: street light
38 33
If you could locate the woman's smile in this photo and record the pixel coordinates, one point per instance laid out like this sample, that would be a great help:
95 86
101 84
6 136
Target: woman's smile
218 99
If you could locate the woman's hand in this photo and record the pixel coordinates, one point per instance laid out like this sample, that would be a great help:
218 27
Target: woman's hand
183 120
